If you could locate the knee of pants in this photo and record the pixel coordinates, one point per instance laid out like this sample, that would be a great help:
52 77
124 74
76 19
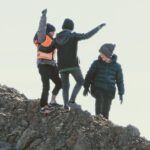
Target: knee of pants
46 87
80 81
65 85
58 87
59 84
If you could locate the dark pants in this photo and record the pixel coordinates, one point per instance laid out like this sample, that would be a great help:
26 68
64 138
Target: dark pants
48 72
66 85
103 102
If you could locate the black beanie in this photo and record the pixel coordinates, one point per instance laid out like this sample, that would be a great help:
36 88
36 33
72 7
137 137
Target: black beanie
50 28
68 24
107 49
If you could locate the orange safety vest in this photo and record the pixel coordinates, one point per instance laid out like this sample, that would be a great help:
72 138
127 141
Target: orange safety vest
42 55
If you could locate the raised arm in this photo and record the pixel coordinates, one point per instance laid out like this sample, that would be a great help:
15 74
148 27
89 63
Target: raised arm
41 34
89 34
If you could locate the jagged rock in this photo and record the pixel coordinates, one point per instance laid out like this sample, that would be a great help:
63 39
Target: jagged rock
5 146
22 127
28 136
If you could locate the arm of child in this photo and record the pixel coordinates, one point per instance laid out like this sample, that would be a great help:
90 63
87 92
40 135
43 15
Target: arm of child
41 34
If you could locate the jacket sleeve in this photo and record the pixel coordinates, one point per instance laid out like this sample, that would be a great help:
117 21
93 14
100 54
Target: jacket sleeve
35 41
83 36
120 81
90 75
49 49
41 34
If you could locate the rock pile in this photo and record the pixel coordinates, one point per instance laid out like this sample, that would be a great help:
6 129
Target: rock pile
22 127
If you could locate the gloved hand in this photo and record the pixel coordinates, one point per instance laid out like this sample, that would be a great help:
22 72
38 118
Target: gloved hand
85 92
101 25
121 99
44 11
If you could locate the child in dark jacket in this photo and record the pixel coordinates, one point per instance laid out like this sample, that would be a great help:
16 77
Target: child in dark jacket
68 63
102 76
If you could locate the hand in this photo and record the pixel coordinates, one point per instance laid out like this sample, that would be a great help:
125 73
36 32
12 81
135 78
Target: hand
44 11
121 99
85 92
101 25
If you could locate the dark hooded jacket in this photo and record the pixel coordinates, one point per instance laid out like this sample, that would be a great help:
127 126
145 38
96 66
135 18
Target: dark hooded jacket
104 76
67 44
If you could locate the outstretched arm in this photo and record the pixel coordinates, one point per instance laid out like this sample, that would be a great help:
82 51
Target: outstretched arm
41 34
90 33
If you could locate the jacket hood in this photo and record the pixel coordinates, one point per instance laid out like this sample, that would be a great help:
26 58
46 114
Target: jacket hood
114 58
63 37
68 24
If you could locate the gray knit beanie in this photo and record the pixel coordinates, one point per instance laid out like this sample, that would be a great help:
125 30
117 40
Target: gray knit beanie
50 28
107 49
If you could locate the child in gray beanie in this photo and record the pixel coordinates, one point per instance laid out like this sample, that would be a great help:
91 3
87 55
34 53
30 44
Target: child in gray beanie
102 77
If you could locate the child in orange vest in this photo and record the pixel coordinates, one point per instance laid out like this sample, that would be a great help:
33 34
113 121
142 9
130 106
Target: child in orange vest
46 63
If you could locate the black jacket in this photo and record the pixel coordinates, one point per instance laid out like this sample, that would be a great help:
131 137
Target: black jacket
67 44
104 76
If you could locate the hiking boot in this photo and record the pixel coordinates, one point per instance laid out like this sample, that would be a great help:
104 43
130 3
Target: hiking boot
66 107
74 106
55 105
45 110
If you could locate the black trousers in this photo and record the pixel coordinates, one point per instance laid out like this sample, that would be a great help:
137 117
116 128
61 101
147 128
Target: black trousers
103 102
48 72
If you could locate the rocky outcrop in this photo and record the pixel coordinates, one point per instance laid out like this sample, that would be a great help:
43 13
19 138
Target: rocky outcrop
22 127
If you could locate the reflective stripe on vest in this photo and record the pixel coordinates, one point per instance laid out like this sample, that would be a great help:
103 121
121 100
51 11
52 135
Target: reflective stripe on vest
42 55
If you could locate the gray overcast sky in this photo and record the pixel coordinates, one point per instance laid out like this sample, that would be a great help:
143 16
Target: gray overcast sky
128 26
